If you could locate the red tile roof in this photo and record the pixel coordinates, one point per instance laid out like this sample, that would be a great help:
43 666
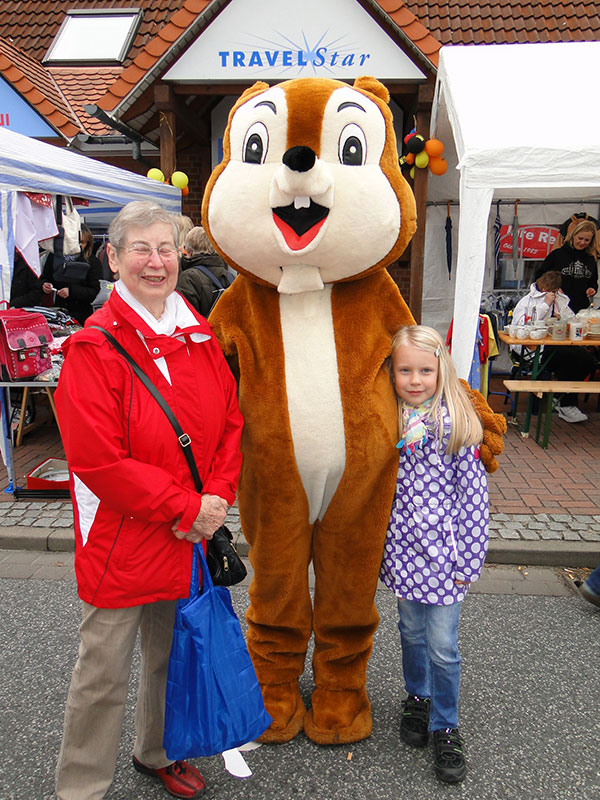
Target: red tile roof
83 85
36 85
508 21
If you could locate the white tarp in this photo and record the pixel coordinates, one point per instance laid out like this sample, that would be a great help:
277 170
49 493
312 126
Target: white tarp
517 122
30 165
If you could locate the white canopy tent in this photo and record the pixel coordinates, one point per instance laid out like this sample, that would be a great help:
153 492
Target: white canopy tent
517 122
30 165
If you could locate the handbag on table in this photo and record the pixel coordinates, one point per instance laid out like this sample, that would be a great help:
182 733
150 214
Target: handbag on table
225 564
213 699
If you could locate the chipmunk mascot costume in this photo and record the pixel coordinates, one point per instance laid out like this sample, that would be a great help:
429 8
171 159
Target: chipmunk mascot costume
309 206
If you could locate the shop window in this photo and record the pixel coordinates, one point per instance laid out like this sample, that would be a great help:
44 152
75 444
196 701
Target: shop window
100 36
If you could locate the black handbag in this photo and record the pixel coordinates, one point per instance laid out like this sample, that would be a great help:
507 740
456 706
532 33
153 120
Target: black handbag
225 565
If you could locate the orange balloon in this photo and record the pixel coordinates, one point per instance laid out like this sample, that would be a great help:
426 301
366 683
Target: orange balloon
434 147
185 191
409 158
438 165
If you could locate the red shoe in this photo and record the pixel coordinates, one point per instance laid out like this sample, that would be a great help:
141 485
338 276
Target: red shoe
180 779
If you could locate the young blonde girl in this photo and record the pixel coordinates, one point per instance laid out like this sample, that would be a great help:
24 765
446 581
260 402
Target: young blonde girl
437 537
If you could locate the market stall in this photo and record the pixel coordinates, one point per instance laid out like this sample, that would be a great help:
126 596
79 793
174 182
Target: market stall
47 172
519 122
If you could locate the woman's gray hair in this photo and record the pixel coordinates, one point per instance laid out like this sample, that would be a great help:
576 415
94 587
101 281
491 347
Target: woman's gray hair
139 214
197 242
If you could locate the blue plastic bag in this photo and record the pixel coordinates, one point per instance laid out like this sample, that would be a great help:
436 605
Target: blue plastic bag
213 700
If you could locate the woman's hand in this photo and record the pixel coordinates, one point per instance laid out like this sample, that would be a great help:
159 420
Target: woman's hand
47 287
549 298
590 292
64 293
211 516
461 583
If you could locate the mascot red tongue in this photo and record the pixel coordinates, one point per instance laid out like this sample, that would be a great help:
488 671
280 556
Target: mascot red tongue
309 206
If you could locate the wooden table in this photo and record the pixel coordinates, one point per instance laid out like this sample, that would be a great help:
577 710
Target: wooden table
6 411
536 345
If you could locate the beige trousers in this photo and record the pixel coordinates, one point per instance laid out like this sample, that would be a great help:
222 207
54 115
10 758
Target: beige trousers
98 691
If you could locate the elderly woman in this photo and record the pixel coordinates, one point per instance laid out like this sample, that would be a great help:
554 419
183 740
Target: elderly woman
136 510
204 274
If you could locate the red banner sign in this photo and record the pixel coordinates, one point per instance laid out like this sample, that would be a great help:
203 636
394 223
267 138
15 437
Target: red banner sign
535 241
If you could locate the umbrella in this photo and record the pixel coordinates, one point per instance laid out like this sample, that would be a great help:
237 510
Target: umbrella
515 237
497 229
449 243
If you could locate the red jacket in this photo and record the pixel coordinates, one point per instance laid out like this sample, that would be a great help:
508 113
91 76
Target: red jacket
129 478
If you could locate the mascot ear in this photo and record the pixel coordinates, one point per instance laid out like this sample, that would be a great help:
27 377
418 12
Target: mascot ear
369 84
257 87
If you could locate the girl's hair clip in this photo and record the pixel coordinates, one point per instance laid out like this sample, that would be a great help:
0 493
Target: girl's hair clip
438 351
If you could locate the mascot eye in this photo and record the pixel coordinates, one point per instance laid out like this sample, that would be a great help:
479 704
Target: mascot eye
256 144
353 146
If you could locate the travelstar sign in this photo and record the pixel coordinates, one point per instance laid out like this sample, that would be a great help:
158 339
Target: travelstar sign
280 39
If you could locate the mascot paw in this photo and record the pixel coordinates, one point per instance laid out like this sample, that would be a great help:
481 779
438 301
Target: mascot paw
494 427
284 704
338 717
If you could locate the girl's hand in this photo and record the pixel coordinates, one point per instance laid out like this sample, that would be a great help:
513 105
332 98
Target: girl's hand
461 583
47 287
590 292
549 298
210 517
64 293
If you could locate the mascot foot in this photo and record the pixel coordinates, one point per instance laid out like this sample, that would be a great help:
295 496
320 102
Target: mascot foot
338 717
284 704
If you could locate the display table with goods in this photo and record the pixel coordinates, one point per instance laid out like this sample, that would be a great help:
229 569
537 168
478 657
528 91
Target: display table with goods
530 342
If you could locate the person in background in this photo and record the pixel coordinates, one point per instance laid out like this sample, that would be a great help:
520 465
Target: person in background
137 513
437 537
184 226
75 294
547 301
25 287
197 286
576 262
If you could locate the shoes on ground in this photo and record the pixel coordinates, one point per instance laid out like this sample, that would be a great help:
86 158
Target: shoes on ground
180 779
571 414
450 765
587 594
414 728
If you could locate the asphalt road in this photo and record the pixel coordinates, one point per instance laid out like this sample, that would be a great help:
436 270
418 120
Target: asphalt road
529 709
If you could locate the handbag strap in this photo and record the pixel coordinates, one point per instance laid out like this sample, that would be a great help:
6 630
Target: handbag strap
183 438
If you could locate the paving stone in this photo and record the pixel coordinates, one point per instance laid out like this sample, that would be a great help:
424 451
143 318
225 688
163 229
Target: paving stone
571 536
555 526
43 522
62 523
590 536
509 533
529 535
550 534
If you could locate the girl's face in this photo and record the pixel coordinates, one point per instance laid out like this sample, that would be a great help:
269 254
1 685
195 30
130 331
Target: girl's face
415 373
582 240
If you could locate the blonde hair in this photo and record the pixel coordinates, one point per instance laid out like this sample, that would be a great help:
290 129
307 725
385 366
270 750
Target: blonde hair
184 226
585 226
465 425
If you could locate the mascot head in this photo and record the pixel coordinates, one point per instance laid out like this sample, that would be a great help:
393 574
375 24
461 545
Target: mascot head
309 190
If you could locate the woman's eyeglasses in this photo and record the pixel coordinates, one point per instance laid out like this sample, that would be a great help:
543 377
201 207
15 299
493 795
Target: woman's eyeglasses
165 251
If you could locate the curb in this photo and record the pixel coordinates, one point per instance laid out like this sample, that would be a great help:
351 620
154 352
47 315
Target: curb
546 553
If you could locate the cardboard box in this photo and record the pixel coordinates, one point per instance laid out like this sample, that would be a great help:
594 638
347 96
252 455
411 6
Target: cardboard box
51 474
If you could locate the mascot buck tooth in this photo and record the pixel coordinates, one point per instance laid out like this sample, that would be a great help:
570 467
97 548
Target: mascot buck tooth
309 206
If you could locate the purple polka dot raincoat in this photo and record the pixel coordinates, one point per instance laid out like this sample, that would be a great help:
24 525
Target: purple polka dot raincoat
438 530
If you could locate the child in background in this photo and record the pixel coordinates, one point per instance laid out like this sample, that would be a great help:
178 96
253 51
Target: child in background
437 537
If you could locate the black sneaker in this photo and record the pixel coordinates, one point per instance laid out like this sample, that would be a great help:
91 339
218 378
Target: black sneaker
414 728
450 765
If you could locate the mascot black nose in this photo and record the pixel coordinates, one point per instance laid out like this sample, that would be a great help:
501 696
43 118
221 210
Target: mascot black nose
300 158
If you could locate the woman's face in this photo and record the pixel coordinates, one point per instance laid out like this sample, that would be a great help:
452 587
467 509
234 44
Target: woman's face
147 264
582 240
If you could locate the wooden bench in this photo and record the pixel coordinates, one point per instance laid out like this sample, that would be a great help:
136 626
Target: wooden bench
548 388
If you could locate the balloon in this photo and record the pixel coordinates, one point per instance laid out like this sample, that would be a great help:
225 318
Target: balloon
412 173
434 147
415 144
155 174
421 159
438 165
179 179
409 136
185 191
409 158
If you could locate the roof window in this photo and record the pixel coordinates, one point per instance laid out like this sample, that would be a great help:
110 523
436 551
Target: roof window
98 36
